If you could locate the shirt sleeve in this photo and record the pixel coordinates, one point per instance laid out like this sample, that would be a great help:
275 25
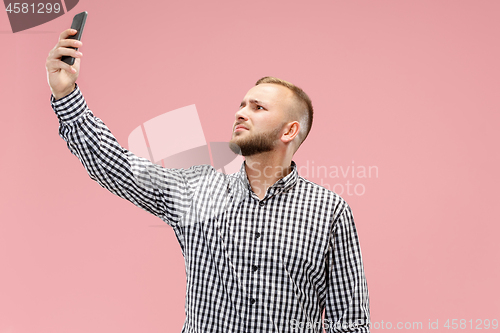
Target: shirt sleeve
347 304
166 193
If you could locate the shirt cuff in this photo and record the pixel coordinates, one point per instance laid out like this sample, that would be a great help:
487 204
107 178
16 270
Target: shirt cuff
70 107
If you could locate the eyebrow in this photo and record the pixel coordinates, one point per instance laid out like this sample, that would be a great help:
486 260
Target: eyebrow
253 101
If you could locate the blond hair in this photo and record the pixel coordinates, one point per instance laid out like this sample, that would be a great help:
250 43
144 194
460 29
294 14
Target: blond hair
305 116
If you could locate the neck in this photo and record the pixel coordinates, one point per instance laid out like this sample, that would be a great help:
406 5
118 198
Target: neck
265 169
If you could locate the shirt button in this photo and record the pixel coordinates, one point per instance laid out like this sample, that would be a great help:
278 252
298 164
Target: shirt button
255 268
252 301
257 235
261 203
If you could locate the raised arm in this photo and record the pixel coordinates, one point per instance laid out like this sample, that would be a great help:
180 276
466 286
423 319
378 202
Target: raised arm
166 193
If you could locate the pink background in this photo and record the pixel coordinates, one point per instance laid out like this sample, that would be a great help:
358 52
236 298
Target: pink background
411 87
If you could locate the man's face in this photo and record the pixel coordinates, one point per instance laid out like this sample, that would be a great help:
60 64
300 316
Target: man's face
262 115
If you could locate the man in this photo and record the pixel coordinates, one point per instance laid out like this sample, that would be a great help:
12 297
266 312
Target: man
265 250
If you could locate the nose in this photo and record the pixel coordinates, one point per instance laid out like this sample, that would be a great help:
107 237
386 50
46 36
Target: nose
241 114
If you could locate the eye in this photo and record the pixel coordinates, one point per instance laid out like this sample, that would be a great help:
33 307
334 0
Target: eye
260 107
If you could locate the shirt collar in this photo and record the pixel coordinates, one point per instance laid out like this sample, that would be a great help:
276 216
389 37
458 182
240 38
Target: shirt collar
284 183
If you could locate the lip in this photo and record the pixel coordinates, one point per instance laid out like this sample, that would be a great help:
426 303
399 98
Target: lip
240 127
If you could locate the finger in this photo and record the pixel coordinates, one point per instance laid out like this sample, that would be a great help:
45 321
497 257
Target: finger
55 65
76 65
64 51
69 43
66 33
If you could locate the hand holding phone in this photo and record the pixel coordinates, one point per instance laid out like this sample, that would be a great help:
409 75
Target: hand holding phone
78 24
62 69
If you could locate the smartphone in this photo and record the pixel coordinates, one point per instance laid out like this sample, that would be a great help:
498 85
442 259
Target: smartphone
78 24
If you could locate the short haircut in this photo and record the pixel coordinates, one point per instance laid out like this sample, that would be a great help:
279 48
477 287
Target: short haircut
306 116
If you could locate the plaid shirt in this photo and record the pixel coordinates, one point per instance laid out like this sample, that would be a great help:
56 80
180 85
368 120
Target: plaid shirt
270 265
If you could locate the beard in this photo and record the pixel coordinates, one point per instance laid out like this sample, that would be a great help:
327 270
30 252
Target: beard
255 144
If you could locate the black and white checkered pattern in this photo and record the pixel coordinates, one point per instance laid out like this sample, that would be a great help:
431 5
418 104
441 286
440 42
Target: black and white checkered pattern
270 265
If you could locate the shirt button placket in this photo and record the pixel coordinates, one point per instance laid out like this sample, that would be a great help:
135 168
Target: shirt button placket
254 267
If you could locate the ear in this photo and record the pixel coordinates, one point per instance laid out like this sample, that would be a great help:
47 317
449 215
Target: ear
291 130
